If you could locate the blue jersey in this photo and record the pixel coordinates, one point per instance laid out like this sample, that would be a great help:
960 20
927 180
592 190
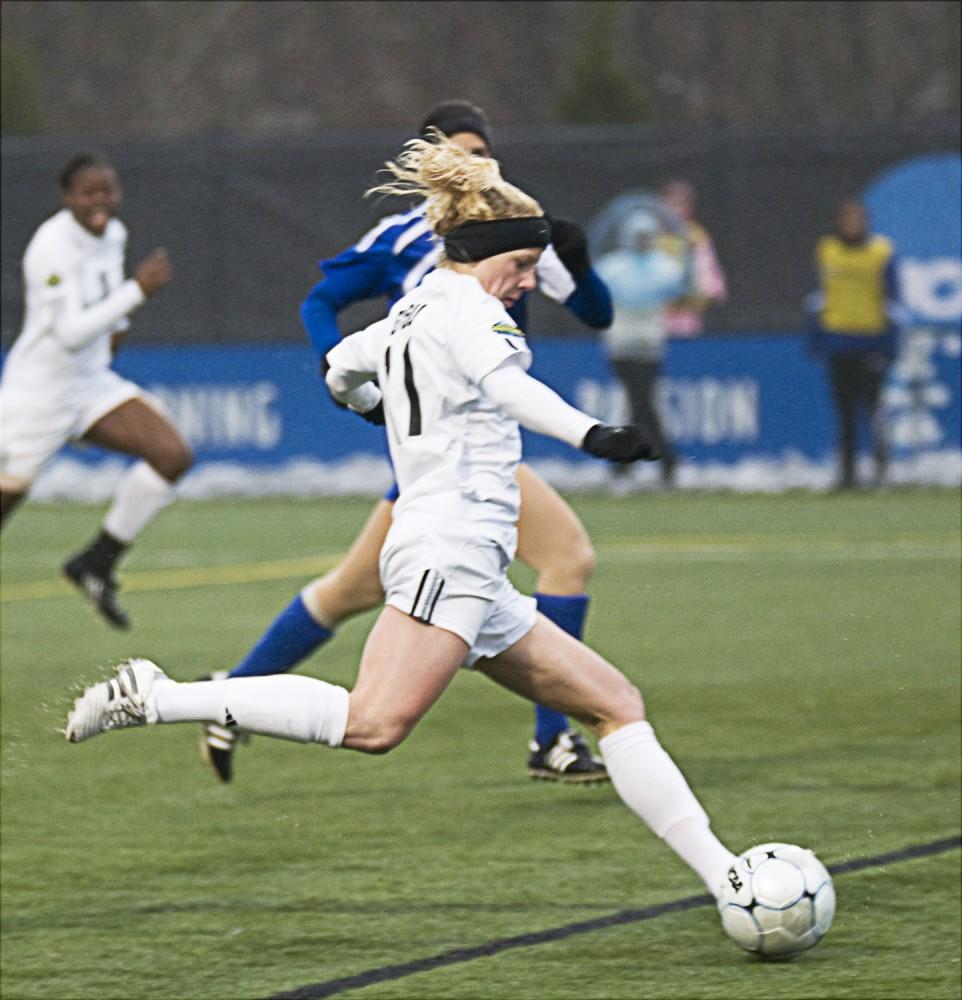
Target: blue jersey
392 258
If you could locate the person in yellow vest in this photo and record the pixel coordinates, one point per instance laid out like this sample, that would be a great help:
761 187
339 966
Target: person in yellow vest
853 321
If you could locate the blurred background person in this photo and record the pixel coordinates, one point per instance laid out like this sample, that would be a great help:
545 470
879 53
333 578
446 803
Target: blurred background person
648 266
58 385
684 317
853 317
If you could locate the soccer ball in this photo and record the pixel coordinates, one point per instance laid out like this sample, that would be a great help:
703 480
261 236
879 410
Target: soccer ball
777 900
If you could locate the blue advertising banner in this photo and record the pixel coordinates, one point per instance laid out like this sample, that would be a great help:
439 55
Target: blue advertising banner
918 205
745 413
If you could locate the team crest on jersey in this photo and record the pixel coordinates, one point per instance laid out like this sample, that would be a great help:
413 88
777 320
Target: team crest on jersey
507 330
53 280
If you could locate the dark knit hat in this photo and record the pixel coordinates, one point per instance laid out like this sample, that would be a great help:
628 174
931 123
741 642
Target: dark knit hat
451 117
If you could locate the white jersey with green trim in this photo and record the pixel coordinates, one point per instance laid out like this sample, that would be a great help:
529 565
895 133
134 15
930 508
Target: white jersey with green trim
454 451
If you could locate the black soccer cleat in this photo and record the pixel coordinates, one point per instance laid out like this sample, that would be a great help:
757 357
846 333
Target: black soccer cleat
98 587
217 744
567 759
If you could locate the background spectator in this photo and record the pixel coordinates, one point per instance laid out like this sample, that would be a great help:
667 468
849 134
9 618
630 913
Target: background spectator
853 318
648 267
685 316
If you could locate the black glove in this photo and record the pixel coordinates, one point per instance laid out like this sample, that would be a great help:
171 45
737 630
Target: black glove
571 244
375 416
619 444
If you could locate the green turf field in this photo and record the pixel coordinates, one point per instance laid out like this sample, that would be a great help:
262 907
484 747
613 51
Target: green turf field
799 656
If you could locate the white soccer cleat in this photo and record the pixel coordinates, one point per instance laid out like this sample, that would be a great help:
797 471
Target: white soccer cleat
119 703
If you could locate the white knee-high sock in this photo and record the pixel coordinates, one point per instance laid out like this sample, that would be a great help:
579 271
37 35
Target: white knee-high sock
651 785
287 706
142 494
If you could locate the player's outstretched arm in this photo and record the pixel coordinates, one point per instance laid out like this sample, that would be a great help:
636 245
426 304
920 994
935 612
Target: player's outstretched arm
542 410
319 316
348 278
568 276
591 301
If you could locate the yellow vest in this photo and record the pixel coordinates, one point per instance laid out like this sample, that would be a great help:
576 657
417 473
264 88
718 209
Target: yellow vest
853 283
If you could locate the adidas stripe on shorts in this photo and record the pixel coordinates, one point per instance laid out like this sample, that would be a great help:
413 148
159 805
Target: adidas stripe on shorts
458 584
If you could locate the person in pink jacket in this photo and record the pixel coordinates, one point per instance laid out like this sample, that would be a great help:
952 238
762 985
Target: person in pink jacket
685 316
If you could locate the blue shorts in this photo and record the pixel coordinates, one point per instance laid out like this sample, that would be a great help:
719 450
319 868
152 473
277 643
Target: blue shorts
393 493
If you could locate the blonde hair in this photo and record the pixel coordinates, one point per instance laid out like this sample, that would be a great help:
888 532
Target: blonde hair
458 186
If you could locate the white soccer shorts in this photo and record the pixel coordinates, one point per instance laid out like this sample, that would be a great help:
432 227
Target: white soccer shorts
34 426
458 584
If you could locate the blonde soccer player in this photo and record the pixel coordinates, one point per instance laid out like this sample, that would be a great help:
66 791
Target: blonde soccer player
388 261
447 368
58 385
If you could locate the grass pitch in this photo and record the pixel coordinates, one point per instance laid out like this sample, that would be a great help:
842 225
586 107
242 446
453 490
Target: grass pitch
799 656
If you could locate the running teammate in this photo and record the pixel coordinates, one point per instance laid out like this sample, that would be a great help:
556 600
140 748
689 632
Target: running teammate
451 367
390 261
57 383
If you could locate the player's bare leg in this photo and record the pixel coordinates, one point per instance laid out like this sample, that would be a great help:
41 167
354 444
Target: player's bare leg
554 543
12 494
354 585
550 666
551 539
553 668
133 428
308 621
405 667
136 428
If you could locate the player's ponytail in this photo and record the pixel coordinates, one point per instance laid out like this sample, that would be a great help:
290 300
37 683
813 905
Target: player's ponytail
458 186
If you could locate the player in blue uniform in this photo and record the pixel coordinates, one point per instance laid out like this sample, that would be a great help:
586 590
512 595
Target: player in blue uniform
390 260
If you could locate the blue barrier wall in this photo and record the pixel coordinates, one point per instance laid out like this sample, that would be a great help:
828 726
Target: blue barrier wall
749 413
745 413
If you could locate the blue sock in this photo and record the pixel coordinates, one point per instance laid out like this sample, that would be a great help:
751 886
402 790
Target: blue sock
291 636
567 613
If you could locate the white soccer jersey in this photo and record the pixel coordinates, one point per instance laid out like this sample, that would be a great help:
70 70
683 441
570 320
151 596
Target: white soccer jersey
75 298
454 451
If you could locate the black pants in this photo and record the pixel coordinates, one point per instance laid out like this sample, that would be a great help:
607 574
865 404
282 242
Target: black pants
857 381
640 379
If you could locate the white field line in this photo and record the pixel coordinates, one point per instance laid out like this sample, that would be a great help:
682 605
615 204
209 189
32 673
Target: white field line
668 548
755 548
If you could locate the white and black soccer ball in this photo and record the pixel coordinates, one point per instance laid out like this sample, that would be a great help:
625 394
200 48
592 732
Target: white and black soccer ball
777 900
